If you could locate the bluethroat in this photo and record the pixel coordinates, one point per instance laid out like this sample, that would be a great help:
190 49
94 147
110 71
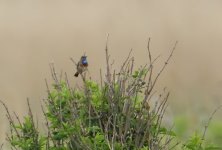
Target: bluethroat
81 66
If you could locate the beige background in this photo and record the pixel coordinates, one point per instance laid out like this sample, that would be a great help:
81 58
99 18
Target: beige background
34 33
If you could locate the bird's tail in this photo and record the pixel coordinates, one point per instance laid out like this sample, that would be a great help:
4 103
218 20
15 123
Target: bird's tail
76 74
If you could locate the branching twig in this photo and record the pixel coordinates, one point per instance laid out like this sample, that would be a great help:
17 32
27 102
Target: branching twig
208 123
11 121
164 66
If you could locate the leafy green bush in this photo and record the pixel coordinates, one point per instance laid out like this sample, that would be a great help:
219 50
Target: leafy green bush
114 115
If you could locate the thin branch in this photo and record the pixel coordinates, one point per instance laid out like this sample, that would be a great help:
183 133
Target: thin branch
164 66
127 60
101 78
208 123
148 48
108 74
10 119
73 61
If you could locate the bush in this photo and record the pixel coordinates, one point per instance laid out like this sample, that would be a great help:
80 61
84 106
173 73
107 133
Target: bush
114 115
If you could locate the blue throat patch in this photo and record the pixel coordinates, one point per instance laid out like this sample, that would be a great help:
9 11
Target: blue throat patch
84 61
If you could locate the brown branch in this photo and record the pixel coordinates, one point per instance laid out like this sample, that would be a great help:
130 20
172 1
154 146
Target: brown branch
108 74
11 121
73 61
208 123
1 147
164 66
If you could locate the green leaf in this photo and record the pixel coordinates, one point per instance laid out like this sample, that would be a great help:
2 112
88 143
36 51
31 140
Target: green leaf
135 74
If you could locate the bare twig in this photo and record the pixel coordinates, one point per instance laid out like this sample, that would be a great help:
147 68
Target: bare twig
164 66
53 73
101 78
125 62
11 121
73 61
148 48
1 147
108 73
17 117
208 123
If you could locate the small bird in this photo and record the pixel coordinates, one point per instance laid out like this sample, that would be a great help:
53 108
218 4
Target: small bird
81 66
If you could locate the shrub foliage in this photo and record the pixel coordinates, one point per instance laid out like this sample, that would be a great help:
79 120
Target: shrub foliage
115 114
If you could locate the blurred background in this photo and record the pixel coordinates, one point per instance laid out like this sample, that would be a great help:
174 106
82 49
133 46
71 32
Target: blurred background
35 33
